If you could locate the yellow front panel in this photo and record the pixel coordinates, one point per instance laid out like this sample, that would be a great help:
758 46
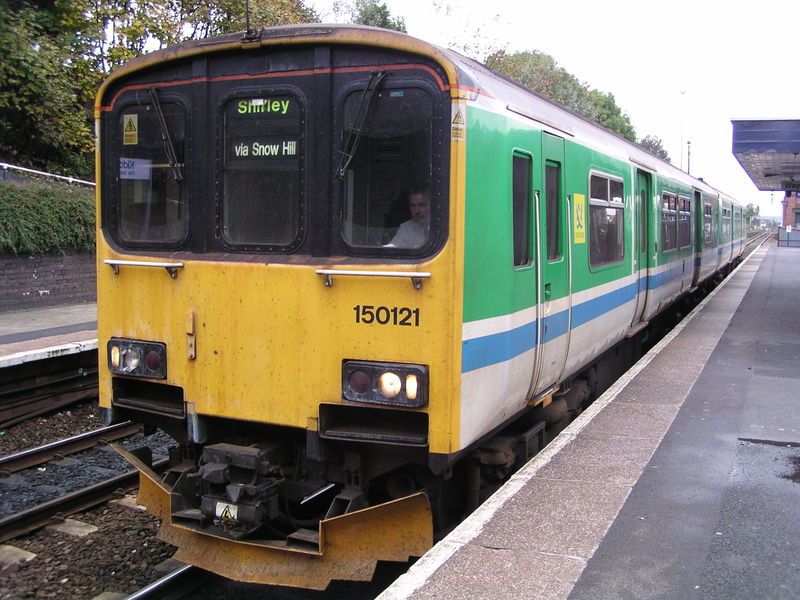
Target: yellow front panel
270 339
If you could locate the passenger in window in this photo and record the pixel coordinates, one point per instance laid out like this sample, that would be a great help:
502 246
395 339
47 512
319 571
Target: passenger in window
414 232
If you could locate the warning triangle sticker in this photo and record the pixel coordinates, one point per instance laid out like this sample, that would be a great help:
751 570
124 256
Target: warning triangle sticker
129 126
458 119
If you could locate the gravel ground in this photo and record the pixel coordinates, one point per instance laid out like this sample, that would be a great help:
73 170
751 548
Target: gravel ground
50 428
120 556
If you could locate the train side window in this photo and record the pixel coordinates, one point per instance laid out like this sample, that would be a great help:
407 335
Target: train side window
707 224
606 220
261 174
553 213
521 199
152 173
669 218
684 222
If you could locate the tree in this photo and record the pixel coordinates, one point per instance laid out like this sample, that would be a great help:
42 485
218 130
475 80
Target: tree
43 121
654 145
750 212
376 14
540 73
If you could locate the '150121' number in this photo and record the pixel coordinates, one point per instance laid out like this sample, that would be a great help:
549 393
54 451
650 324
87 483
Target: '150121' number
384 315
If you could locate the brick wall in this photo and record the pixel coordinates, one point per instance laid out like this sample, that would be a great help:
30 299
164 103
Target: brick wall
46 280
791 204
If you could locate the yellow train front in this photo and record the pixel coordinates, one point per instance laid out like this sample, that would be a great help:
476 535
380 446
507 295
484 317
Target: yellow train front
264 301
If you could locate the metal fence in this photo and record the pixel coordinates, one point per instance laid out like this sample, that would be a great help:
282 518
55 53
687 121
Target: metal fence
7 170
789 236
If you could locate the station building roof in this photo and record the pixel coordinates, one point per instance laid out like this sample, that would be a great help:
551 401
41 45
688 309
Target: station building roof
769 151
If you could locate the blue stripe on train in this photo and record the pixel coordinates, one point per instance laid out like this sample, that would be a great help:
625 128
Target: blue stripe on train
505 345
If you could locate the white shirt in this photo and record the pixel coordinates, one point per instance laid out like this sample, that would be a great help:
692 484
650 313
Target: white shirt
410 235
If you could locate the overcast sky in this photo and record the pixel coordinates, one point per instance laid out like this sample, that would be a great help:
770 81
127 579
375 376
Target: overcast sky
680 69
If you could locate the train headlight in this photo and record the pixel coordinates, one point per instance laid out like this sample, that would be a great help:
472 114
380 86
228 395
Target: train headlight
389 384
130 360
396 384
137 358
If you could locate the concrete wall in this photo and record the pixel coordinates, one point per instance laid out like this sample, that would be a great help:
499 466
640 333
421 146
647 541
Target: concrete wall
32 281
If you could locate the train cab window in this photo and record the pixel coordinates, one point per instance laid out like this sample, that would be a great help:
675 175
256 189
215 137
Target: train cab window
669 217
521 199
684 222
553 216
385 168
707 239
606 221
152 174
261 176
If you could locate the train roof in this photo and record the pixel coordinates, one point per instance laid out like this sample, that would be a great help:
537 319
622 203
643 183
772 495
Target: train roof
469 80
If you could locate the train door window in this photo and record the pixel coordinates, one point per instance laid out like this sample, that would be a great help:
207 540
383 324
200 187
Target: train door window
521 199
643 220
707 239
669 218
684 222
262 155
714 219
152 174
553 216
385 166
726 224
606 220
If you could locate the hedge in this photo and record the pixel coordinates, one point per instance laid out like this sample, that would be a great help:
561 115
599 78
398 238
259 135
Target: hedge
39 216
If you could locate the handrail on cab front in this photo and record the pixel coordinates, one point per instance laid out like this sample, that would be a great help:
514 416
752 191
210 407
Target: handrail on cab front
416 277
172 268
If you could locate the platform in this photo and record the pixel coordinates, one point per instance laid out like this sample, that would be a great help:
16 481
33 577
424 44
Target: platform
681 481
34 334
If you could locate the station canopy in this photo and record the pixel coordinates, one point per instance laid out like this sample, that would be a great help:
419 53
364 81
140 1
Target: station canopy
769 151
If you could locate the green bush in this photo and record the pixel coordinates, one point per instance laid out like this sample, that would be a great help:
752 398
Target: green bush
40 216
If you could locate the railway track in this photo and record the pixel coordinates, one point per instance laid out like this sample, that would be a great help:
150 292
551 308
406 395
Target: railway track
34 388
38 516
41 514
83 441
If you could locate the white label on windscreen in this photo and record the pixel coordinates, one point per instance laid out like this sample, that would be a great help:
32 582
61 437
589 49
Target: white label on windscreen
134 168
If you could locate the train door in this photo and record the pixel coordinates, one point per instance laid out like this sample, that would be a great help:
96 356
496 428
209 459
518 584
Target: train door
555 282
698 216
640 241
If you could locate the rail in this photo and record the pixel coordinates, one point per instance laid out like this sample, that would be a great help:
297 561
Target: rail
180 583
83 441
5 168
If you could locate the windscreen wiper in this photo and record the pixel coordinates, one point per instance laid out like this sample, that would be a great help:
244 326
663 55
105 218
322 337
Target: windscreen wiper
169 148
364 105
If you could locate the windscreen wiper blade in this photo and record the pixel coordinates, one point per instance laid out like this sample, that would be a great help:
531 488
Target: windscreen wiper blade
354 137
169 147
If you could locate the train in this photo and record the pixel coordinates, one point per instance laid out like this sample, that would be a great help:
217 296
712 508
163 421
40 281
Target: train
358 278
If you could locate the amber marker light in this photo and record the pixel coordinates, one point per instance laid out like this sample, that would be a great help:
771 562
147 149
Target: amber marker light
411 386
115 357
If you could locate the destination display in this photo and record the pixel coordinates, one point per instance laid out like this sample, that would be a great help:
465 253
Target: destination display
273 148
257 108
